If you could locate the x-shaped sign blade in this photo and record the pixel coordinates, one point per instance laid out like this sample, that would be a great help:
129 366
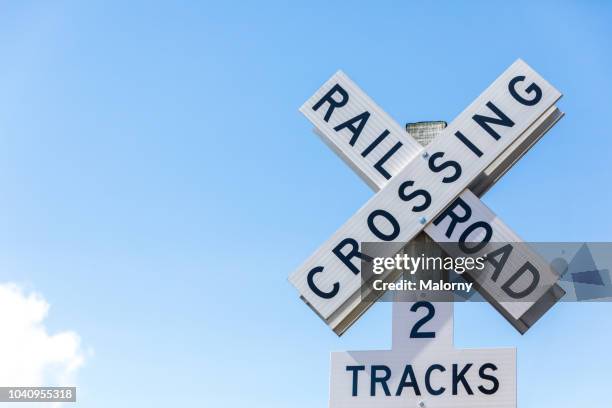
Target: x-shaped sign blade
525 314
416 185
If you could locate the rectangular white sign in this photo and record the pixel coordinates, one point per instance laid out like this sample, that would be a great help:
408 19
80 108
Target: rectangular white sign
423 369
448 378
424 187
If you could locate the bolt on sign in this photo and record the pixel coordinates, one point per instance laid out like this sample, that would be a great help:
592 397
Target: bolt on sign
432 189
423 369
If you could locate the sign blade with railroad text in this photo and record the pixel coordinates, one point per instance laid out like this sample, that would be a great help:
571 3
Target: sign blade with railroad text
423 188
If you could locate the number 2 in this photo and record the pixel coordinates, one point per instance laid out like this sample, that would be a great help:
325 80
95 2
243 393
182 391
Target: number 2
431 311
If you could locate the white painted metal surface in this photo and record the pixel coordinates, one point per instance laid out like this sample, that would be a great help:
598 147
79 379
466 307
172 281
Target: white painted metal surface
424 371
508 96
491 290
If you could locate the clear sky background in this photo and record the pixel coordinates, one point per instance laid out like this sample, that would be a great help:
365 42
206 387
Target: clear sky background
158 185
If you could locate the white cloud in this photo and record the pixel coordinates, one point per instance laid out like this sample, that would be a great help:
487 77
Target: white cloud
29 355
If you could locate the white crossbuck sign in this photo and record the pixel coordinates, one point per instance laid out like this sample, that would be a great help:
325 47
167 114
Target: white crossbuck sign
423 369
433 190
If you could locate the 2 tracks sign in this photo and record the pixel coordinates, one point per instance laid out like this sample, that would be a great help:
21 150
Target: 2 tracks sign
423 369
433 189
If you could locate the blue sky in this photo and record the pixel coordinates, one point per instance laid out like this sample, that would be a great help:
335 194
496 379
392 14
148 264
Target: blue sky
159 184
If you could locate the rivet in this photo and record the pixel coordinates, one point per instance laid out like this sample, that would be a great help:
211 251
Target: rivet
423 220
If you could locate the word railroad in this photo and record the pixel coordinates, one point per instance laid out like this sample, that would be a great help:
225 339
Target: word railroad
432 189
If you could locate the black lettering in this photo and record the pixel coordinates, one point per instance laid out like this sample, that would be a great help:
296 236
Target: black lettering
382 380
528 267
455 218
408 372
463 238
501 119
485 376
468 143
430 389
533 88
355 370
379 234
333 104
375 143
420 192
360 119
316 290
379 164
354 252
459 377
499 265
449 163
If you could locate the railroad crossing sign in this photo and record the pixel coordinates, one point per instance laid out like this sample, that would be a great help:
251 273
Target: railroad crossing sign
423 369
429 190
